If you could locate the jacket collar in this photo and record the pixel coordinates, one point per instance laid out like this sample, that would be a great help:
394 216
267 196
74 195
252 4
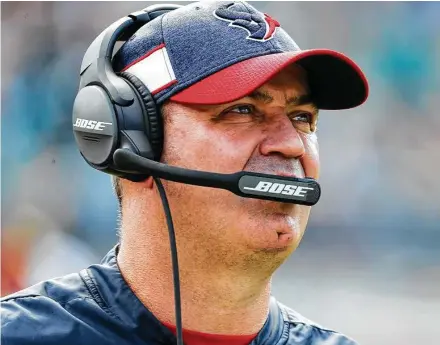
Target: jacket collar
112 292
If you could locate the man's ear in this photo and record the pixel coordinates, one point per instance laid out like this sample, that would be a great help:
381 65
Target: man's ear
148 183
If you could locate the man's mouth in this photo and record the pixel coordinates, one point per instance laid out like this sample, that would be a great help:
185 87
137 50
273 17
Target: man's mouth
286 174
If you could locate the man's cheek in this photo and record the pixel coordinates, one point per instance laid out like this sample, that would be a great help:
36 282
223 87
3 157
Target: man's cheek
310 161
311 142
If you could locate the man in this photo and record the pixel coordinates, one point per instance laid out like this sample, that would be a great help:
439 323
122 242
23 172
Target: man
254 109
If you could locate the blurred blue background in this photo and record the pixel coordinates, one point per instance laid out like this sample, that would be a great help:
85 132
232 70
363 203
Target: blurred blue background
369 264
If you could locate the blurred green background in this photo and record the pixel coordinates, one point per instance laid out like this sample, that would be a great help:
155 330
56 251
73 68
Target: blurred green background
369 264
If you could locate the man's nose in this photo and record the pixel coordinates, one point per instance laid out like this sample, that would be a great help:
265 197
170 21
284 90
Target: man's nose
282 138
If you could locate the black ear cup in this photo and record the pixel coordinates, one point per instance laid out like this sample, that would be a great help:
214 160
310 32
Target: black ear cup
94 125
152 117
115 111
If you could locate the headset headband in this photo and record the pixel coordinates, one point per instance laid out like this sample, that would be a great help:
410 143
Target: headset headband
96 67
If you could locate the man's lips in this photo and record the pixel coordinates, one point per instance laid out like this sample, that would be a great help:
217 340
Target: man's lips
278 173
287 174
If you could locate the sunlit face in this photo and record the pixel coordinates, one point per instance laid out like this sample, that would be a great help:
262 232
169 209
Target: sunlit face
272 130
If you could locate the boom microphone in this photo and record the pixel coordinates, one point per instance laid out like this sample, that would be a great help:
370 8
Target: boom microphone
303 191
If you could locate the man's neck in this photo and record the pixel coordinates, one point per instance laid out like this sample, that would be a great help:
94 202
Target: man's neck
213 300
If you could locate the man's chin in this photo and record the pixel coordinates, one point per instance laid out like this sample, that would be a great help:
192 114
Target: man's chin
267 259
279 233
283 245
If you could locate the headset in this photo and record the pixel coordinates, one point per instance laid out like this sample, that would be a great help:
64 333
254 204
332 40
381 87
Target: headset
118 129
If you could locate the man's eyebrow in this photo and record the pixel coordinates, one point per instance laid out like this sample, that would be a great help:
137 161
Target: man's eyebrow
303 100
266 98
261 96
300 100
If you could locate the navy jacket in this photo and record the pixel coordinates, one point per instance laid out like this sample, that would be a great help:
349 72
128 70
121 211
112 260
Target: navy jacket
97 307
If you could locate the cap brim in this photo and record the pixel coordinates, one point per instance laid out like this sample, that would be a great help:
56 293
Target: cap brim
335 81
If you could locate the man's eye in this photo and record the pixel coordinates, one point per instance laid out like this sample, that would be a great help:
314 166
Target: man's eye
303 117
304 122
243 109
240 114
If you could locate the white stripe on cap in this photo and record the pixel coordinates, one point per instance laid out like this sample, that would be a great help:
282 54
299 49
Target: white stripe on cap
154 70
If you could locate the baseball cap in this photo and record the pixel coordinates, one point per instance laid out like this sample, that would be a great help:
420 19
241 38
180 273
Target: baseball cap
218 52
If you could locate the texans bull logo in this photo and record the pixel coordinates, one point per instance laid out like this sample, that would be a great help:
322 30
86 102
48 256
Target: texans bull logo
259 28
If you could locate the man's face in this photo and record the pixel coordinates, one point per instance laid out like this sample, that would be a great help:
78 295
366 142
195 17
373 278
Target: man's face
269 131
